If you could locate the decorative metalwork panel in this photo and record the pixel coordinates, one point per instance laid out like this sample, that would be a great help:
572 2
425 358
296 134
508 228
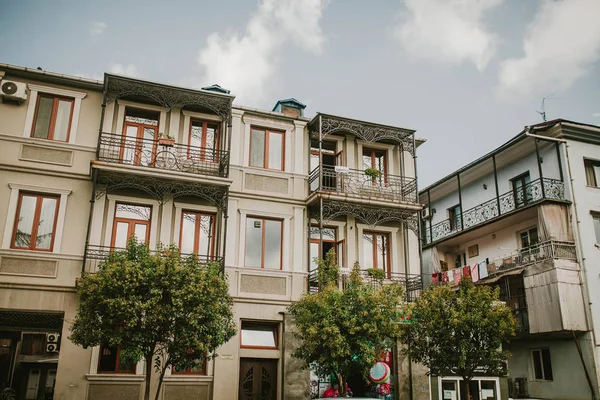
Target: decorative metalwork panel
160 189
97 255
522 197
167 96
368 132
371 216
150 153
355 182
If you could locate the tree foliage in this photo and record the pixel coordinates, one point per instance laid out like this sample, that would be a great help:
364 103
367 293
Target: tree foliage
165 309
460 331
342 332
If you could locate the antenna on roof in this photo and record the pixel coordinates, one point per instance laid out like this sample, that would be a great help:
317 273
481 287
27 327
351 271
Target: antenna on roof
543 112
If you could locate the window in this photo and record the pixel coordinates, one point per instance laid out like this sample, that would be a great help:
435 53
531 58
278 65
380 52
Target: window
259 335
542 367
35 223
33 344
263 243
199 369
528 237
592 172
110 361
374 159
329 242
130 220
596 217
522 189
140 133
203 141
197 233
455 218
52 119
376 247
266 149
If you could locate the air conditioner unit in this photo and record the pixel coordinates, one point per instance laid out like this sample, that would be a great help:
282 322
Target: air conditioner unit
51 347
425 213
52 337
16 91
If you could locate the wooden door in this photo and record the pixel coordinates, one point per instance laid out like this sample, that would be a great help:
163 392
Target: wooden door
258 379
139 144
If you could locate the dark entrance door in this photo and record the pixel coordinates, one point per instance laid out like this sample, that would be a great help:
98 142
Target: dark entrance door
258 379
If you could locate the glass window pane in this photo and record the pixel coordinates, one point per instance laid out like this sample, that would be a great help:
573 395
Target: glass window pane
188 232
597 229
547 364
211 136
368 250
206 235
314 253
537 365
46 224
272 244
257 145
196 134
328 233
44 114
488 390
108 359
63 117
132 211
140 232
129 144
147 152
275 151
259 335
120 239
596 172
253 242
382 252
25 224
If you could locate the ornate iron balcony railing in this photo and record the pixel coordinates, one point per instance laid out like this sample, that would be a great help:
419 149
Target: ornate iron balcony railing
412 284
151 153
534 191
96 255
355 182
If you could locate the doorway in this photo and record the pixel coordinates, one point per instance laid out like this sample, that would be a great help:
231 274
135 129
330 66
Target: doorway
258 379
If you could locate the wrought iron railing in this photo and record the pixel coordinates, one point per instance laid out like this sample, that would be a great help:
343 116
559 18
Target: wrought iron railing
412 284
117 148
355 182
533 192
96 255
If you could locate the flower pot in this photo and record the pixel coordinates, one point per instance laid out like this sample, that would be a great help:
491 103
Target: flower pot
166 142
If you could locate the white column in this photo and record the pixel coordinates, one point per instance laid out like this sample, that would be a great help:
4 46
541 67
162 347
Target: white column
288 155
174 124
232 234
351 241
97 220
241 239
109 114
166 223
238 138
299 239
350 152
300 160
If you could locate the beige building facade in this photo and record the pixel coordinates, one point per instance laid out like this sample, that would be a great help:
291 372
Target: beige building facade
86 165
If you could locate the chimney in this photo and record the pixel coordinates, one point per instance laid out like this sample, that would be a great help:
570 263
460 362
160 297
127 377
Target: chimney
290 107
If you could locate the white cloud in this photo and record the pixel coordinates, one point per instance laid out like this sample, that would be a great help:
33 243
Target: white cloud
596 114
97 28
244 63
121 69
561 42
450 31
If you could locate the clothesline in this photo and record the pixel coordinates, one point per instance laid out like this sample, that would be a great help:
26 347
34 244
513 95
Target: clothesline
476 271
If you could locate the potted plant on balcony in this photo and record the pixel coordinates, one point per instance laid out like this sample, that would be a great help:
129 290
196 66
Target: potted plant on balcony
165 140
376 274
373 173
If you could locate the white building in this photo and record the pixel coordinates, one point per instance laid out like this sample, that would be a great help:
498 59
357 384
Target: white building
528 215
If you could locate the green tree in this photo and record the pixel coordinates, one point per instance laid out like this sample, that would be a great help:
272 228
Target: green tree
162 308
342 332
460 331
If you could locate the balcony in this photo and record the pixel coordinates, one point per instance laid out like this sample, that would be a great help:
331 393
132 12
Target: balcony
96 255
412 283
355 183
534 192
151 153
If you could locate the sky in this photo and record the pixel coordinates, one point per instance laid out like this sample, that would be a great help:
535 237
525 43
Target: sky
467 75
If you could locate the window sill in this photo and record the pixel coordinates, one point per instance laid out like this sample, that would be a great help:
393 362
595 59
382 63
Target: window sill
115 377
188 378
48 143
39 254
591 187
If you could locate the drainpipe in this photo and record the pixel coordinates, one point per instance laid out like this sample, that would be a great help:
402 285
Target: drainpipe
577 233
89 225
282 313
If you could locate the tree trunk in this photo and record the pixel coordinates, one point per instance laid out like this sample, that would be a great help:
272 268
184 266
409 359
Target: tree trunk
468 388
162 375
148 376
342 385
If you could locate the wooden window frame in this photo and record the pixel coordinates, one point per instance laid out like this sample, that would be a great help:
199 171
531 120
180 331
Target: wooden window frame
521 177
117 369
268 132
374 244
189 372
373 150
36 220
589 163
274 325
262 252
52 124
116 220
197 229
203 155
341 258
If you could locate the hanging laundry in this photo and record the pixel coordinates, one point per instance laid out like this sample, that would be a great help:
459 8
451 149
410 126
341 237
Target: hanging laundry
435 278
483 272
466 271
475 273
458 276
445 277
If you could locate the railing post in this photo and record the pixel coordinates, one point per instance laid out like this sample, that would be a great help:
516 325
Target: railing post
537 153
